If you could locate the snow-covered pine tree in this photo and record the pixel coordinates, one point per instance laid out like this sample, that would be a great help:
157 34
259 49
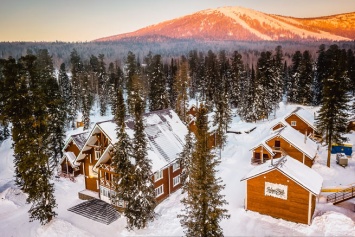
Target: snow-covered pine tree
103 86
204 202
277 88
86 100
234 84
140 207
265 76
294 78
55 104
332 116
131 72
4 130
76 70
305 90
122 156
26 107
158 96
181 85
170 78
193 71
212 78
351 70
66 94
185 157
320 72
248 111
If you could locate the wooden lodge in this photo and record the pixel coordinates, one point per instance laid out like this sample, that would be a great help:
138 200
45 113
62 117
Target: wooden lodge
283 188
71 150
285 141
165 134
299 119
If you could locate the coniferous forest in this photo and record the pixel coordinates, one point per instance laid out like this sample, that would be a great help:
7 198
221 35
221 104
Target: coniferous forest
41 95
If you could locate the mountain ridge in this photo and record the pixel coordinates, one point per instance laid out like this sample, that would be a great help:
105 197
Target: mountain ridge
243 24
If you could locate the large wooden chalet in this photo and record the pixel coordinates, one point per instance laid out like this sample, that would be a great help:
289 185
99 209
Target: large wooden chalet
165 134
71 150
299 119
283 188
285 141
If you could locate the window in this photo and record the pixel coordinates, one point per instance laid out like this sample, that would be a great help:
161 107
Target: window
159 191
97 155
293 123
158 175
176 180
176 166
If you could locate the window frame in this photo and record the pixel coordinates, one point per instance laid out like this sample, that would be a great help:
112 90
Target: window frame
159 191
158 175
176 166
176 178
293 123
97 157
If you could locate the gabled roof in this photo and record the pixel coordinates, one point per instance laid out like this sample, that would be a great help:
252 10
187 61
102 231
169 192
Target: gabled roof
298 140
79 140
304 115
301 174
263 144
165 135
70 156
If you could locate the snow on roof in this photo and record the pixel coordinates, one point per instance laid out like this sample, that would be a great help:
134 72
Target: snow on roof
303 114
80 139
300 141
165 134
71 158
298 172
265 146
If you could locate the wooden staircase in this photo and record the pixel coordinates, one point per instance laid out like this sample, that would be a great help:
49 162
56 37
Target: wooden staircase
341 196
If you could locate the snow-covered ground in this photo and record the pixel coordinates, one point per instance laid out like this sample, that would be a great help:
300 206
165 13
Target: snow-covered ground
329 220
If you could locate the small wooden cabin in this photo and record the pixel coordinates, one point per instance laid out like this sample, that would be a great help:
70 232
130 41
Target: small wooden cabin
165 135
71 150
285 141
283 188
299 119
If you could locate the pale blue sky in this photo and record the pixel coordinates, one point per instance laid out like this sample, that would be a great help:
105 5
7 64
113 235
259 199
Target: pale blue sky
85 20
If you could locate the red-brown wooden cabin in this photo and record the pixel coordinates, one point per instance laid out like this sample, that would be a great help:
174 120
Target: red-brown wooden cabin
283 188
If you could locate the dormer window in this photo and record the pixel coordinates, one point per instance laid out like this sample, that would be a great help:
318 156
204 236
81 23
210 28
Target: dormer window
293 123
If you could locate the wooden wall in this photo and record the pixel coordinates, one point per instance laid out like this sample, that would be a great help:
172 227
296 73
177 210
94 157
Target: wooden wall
291 150
301 126
295 208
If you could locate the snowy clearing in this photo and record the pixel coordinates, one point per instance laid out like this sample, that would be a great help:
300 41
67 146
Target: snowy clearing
329 220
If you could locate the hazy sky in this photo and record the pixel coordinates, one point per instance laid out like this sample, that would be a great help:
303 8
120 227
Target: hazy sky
85 20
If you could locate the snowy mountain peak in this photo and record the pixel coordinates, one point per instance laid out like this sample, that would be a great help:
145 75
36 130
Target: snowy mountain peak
239 24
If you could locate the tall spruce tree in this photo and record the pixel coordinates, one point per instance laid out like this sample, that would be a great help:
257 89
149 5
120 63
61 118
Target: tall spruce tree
320 74
140 207
294 78
204 203
305 90
158 96
76 70
122 155
332 116
181 85
185 157
26 108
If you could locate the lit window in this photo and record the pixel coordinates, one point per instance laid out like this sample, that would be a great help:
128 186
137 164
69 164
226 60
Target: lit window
158 175
176 180
159 191
293 123
176 166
